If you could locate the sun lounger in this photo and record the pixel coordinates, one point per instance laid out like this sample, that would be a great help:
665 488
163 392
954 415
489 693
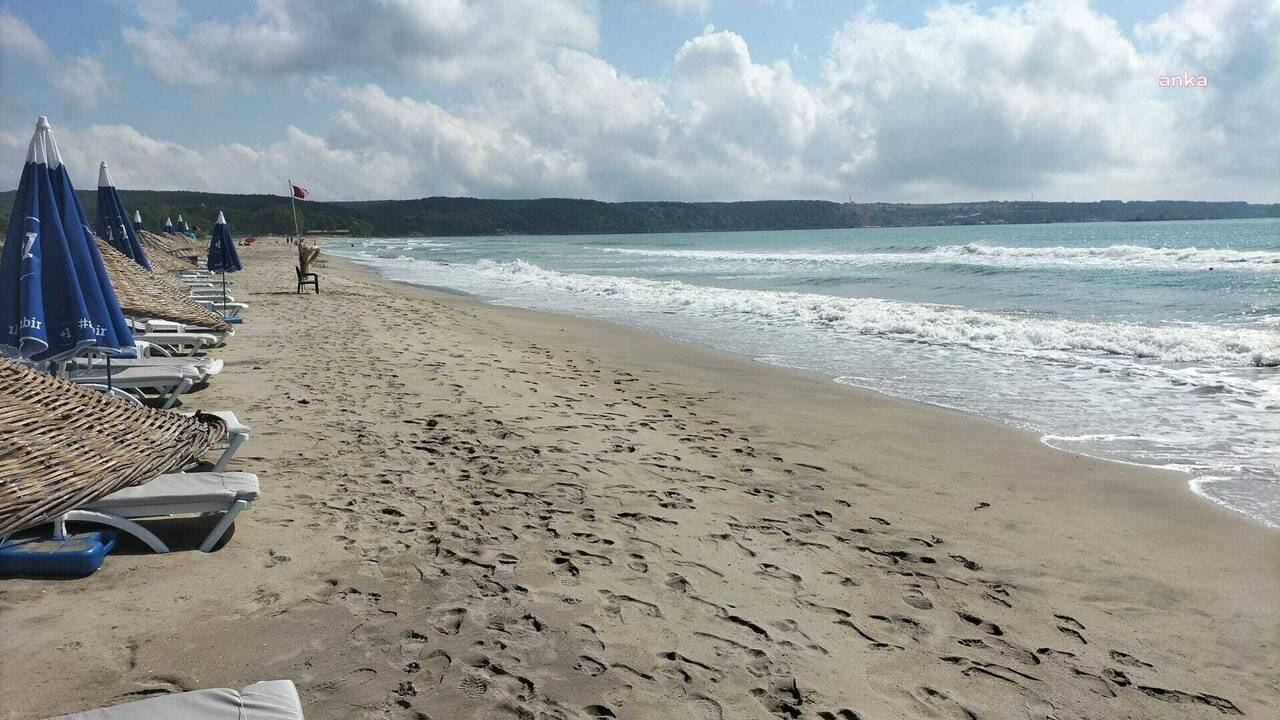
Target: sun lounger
162 326
187 343
227 493
226 309
201 275
209 293
205 367
237 433
146 349
198 285
167 382
270 700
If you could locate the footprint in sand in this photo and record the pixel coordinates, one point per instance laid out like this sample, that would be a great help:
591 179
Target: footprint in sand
473 686
916 599
937 704
989 628
770 570
449 621
590 666
677 582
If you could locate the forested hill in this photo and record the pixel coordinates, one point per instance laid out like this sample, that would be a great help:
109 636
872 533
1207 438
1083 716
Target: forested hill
262 214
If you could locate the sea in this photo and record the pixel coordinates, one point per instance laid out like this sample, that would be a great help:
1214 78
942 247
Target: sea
1155 343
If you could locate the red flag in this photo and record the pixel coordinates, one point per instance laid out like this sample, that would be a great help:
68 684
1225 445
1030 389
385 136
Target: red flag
299 192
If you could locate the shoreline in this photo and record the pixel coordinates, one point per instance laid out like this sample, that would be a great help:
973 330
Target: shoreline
1185 478
1266 218
475 510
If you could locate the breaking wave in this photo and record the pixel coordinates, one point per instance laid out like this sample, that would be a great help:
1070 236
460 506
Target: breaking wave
916 322
1136 257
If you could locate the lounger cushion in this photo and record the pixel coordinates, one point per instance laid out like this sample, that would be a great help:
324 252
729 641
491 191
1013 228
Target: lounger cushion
271 700
183 488
166 339
157 374
203 365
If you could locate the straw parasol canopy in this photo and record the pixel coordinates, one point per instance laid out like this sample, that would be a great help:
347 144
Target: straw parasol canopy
62 446
162 261
153 295
181 249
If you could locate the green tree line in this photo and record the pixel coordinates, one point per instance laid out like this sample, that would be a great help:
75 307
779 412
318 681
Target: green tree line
444 216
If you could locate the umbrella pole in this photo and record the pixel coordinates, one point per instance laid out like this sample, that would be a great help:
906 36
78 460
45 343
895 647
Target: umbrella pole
108 374
224 292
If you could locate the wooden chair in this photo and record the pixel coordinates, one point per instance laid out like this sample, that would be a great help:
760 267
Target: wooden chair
307 278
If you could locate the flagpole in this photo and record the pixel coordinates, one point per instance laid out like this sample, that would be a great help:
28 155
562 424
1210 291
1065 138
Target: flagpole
297 234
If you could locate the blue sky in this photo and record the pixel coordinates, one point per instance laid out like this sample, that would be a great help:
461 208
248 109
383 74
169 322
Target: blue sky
683 99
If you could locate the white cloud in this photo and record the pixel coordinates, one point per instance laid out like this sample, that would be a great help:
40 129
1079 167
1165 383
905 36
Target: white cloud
997 101
1050 98
85 81
685 7
446 40
17 38
1229 129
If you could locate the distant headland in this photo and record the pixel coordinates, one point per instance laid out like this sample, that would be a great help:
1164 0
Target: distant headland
455 216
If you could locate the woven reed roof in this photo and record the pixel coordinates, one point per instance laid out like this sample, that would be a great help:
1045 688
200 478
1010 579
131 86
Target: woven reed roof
153 294
161 259
177 245
63 446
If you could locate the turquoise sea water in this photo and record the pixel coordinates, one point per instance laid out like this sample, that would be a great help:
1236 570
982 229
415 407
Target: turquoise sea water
1155 343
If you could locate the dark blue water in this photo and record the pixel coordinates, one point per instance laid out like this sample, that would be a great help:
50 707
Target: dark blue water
1155 343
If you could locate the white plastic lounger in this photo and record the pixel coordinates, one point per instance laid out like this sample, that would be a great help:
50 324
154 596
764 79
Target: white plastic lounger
269 700
188 343
114 392
162 326
237 433
204 367
213 295
210 294
206 289
227 309
228 493
201 276
166 381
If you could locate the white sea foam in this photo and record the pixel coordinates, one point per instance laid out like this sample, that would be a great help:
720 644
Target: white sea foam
1136 257
1052 339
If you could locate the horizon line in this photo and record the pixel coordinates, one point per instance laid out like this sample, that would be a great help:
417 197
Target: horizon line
685 202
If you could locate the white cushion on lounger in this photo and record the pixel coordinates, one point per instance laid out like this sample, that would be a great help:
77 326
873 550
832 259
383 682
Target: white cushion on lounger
182 488
205 366
159 375
271 700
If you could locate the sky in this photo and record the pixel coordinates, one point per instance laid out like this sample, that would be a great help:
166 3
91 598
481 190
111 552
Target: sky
908 101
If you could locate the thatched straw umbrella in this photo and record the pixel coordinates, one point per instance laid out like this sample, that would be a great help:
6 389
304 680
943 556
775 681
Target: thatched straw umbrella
171 245
62 446
154 295
161 260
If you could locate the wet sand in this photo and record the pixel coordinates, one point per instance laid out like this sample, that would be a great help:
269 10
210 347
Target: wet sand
472 511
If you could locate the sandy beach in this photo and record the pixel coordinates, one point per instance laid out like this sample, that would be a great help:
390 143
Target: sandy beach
472 511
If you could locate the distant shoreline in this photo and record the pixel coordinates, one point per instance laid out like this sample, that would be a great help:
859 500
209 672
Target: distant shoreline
469 217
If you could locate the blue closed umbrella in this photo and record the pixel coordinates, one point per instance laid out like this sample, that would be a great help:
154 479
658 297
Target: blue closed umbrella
113 220
168 226
55 297
222 254
137 221
182 225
